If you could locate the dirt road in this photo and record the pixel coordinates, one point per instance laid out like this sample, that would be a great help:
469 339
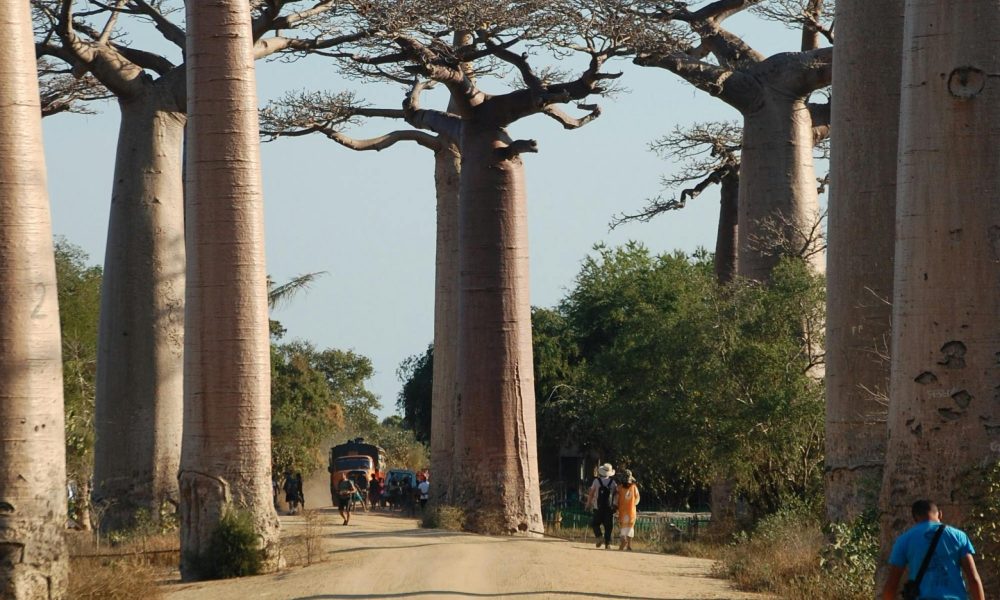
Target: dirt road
382 556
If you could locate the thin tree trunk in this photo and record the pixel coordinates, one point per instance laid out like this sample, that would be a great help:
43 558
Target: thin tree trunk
726 238
447 167
32 436
778 203
226 453
497 463
862 214
83 505
139 403
944 414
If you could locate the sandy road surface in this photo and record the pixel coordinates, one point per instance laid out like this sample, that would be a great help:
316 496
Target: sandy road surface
382 556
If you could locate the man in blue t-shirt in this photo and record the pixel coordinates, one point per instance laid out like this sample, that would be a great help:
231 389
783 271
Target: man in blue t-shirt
951 559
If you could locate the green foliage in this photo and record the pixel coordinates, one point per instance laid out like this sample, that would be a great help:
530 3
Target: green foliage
983 524
701 381
417 375
79 293
650 363
233 550
850 557
306 407
402 448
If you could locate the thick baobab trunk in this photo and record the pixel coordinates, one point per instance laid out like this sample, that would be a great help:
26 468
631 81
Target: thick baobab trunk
32 445
496 458
778 204
944 414
862 217
140 389
447 167
727 236
226 450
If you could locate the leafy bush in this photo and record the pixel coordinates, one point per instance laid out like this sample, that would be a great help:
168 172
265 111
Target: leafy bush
233 550
789 555
983 525
852 554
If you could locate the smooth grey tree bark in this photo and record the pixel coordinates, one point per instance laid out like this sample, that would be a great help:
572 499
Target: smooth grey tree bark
495 475
944 413
139 393
33 561
226 449
860 240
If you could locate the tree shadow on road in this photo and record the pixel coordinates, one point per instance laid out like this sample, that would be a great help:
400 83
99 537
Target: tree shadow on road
440 593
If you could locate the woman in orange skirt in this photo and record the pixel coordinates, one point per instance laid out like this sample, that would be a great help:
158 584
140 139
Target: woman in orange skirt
628 498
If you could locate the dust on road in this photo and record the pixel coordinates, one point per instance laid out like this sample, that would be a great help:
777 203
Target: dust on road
387 556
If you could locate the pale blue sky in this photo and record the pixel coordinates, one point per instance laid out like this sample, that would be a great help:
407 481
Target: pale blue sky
368 218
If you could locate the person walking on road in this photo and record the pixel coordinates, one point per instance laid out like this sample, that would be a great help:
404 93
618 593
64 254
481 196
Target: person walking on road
291 492
345 491
628 499
424 489
374 492
300 492
601 499
936 557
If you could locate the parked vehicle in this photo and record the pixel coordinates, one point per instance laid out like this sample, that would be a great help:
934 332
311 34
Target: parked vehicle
358 460
400 486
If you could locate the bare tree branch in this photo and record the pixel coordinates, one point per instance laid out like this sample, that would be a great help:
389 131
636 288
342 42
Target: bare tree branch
517 147
441 123
569 122
170 31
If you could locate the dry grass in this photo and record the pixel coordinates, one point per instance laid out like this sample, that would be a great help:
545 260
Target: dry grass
450 518
120 572
305 546
782 557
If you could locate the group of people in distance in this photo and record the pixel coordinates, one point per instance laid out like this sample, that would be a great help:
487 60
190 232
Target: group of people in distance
937 558
610 497
375 493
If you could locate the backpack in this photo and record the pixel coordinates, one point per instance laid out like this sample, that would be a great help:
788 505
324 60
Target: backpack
603 494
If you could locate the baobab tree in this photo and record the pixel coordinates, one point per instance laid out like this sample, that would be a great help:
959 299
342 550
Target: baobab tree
710 153
944 414
32 445
861 233
329 114
777 182
226 450
496 472
139 380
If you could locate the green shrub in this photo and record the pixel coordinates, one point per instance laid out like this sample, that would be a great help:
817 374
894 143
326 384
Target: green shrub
852 554
233 550
983 525
789 554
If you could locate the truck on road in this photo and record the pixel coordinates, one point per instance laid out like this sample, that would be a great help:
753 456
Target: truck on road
358 460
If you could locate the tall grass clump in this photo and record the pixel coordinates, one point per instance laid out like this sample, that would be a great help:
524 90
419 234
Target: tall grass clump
790 554
447 517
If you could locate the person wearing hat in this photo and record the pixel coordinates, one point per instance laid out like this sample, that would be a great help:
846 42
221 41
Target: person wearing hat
628 498
602 499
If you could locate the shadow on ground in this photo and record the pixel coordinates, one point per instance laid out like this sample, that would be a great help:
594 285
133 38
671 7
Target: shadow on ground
441 593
